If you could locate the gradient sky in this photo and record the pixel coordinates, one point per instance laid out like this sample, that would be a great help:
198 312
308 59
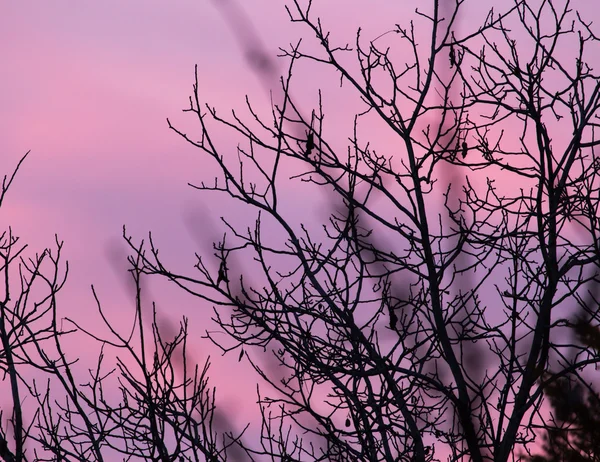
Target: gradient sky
87 86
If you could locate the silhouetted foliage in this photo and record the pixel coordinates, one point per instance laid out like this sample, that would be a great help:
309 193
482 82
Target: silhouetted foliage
573 433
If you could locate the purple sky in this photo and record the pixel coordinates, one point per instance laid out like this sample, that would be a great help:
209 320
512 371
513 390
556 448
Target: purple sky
87 86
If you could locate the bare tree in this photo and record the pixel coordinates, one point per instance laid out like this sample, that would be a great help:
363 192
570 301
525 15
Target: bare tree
431 310
25 304
425 318
145 398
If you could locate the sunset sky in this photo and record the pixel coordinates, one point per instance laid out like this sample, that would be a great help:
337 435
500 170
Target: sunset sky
87 87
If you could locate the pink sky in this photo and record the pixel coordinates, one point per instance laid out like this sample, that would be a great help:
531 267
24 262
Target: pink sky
87 86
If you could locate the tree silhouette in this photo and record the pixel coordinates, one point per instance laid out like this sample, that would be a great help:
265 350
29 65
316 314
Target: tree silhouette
423 319
145 398
417 320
